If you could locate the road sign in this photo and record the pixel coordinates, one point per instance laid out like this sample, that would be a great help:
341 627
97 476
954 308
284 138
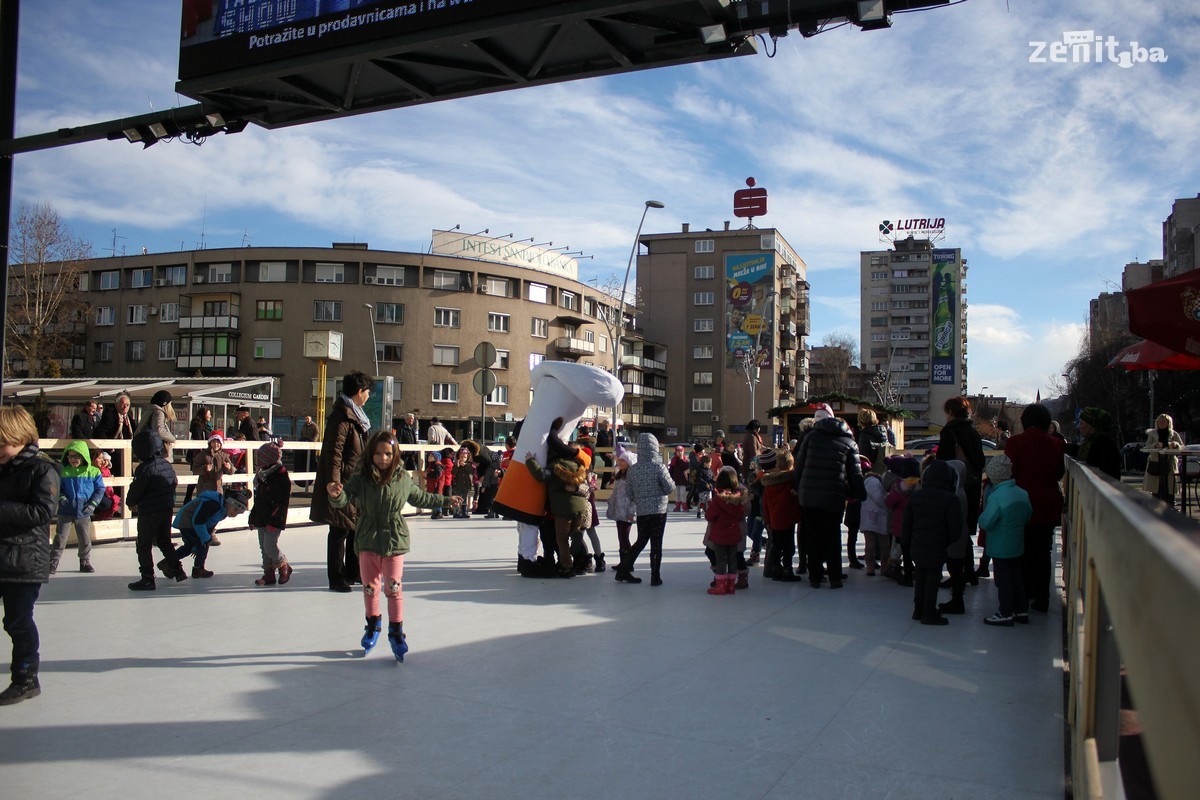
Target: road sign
484 381
485 355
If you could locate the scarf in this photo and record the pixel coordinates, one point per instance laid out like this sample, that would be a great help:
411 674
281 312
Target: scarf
360 416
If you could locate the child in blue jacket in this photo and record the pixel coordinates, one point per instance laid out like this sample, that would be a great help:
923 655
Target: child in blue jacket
82 491
198 519
1004 517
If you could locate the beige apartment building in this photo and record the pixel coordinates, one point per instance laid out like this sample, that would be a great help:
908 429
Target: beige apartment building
913 328
414 317
726 304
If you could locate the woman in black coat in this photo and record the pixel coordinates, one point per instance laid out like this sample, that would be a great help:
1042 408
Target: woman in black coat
29 487
959 441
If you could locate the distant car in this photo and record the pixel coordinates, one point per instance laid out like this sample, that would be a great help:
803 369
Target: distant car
927 443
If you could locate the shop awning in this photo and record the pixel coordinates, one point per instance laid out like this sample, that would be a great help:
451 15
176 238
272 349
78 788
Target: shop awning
1149 355
1168 313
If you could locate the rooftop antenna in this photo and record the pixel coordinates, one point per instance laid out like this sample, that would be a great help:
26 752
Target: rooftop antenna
114 243
203 222
246 238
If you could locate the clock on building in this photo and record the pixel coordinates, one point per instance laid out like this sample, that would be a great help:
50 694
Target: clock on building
323 344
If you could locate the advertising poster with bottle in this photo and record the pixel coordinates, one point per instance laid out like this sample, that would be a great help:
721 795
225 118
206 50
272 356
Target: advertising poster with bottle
944 302
749 312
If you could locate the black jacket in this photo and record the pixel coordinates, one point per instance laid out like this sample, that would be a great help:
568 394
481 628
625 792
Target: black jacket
962 432
28 502
827 468
83 426
933 516
106 428
272 494
152 489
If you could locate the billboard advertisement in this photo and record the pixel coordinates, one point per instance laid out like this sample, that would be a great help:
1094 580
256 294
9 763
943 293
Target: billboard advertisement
749 309
944 303
223 35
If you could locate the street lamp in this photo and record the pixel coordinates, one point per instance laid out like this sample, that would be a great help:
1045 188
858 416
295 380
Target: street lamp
649 204
374 344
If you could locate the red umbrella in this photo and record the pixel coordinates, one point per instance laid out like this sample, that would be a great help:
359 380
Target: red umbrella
1168 313
1148 355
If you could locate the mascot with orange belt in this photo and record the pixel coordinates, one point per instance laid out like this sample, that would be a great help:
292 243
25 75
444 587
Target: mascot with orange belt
561 390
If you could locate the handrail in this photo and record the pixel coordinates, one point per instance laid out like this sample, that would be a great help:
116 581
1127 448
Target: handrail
1132 571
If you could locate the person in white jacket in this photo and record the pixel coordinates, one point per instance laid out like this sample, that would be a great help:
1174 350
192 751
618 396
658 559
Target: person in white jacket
874 515
651 485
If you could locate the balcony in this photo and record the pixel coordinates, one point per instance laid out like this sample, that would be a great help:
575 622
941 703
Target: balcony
639 390
226 322
190 363
576 347
787 341
645 419
643 363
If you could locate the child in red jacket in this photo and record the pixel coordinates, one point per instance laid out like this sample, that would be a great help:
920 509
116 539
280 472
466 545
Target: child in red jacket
781 514
726 513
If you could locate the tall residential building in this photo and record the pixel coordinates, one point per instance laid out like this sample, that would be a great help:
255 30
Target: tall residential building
914 328
1181 247
725 303
1108 314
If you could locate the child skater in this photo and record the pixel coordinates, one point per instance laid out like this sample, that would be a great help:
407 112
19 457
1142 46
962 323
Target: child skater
726 512
272 495
380 488
621 508
1004 517
110 504
874 514
197 521
704 484
28 502
463 480
152 493
932 521
781 514
82 491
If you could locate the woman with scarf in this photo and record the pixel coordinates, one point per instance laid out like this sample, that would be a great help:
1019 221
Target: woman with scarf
345 437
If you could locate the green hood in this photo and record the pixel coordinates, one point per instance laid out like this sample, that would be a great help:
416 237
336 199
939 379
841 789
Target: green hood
81 448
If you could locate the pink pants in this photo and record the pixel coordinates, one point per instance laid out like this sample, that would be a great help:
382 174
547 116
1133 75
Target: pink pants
386 570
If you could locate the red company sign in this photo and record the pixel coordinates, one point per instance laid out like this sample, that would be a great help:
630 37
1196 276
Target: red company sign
750 203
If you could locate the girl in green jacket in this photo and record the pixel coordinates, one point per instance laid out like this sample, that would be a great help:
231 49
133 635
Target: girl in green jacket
380 488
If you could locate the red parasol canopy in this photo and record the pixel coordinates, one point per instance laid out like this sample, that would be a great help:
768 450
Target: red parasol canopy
1168 313
1148 355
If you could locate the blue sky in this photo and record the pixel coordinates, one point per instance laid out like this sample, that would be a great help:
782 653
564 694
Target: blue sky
1051 176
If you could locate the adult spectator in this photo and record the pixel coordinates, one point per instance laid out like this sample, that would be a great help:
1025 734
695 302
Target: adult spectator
309 432
345 438
437 434
83 424
1159 476
1099 448
1037 467
827 473
264 430
115 422
873 435
246 426
199 430
605 441
158 416
959 441
752 445
406 436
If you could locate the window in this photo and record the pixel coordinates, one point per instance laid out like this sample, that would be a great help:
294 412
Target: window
498 397
879 352
167 349
83 281
702 325
272 272
174 276
702 351
501 361
136 315
389 351
569 331
168 312
535 359
540 328
701 431
879 276
497 323
879 321
331 273
268 348
389 313
766 242
703 298
216 308
497 287
220 273
602 345
702 404
705 245
879 337
110 280
141 278
568 300
104 351
446 279
445 317
268 309
879 306
445 355
704 273
105 315
900 273
327 311
445 393
702 378
589 336
538 293
135 350
389 276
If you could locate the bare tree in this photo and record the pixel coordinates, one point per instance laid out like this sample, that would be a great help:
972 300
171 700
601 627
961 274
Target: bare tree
45 319
841 354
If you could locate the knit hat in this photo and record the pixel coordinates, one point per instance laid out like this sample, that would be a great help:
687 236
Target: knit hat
238 497
864 464
268 455
161 397
1098 418
720 434
999 469
767 459
678 448
218 435
823 411
628 456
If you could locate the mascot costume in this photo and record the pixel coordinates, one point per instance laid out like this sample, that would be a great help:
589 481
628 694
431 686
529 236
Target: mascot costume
561 389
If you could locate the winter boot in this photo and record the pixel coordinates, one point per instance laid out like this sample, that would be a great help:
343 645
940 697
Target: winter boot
771 560
600 566
54 565
743 579
177 571
268 577
285 572
201 572
86 566
24 686
146 584
397 641
371 635
718 586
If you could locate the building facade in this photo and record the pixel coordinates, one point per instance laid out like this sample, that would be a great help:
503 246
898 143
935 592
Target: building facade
913 328
731 306
1181 246
416 317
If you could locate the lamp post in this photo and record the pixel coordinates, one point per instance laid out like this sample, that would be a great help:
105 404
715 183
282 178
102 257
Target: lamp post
374 344
649 204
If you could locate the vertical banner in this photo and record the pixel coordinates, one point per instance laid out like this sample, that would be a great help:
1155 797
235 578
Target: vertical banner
944 302
750 309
